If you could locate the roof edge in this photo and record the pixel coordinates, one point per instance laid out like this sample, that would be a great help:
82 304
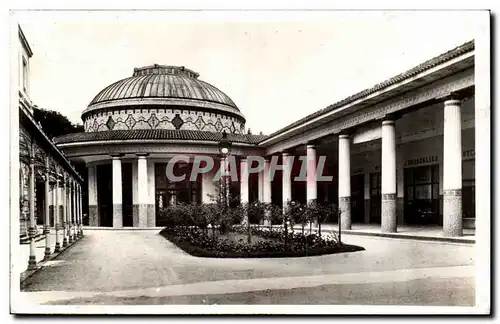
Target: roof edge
24 41
422 67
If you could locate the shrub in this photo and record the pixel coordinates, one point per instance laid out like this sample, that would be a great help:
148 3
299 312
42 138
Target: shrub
199 243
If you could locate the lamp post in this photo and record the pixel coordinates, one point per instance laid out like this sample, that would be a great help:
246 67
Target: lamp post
225 152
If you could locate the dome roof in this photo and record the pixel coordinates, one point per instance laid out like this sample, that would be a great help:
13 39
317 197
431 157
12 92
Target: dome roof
157 84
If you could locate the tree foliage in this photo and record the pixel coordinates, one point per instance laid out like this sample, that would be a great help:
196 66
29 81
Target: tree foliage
55 124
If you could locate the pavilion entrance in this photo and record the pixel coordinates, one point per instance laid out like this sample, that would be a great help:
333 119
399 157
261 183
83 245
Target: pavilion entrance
357 198
105 194
168 191
422 195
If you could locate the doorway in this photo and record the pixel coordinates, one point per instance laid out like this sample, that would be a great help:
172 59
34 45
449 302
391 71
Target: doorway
422 195
127 207
105 194
169 192
358 198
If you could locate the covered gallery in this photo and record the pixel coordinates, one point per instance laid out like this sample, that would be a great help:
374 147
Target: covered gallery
401 152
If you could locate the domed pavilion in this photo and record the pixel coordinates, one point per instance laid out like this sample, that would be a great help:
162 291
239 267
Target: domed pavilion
134 126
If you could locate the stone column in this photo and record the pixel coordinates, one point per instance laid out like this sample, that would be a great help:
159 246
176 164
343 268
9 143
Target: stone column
46 220
142 190
71 211
57 212
32 222
244 186
80 211
312 185
388 206
75 209
260 181
452 169
400 188
77 213
92 186
117 192
345 180
24 193
266 188
287 179
151 194
65 211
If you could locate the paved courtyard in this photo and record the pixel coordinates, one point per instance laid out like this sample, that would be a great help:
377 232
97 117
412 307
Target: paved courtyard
141 267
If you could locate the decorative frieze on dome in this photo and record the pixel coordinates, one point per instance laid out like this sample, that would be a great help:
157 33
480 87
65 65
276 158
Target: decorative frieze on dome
162 119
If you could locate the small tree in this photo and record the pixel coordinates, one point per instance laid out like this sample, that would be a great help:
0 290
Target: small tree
210 215
326 211
291 214
274 214
194 212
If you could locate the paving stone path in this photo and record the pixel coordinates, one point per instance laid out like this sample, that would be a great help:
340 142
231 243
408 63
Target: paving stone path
123 267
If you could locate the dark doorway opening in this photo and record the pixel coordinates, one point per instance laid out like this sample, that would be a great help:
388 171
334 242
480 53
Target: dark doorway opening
277 189
358 198
422 195
105 194
169 192
127 202
40 202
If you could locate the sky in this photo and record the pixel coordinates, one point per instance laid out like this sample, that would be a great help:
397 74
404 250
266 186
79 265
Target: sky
276 66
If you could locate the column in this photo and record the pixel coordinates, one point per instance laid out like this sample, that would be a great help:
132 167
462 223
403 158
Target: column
46 220
24 212
287 178
244 186
117 192
345 181
400 189
70 210
266 188
312 186
57 212
151 194
142 190
80 211
65 211
452 169
75 211
311 181
388 206
260 177
32 224
92 187
69 213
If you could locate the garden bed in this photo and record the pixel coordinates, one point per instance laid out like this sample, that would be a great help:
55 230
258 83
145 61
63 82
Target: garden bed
265 243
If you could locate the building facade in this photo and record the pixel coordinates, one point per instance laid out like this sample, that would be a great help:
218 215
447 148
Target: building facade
50 188
402 152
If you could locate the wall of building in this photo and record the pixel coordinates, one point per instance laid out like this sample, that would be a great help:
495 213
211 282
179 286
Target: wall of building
420 143
23 54
148 118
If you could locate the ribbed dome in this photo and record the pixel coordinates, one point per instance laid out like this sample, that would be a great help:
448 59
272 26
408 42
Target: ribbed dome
159 81
163 97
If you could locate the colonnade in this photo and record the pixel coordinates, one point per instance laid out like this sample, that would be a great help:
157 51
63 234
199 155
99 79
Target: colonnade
143 208
452 174
66 200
